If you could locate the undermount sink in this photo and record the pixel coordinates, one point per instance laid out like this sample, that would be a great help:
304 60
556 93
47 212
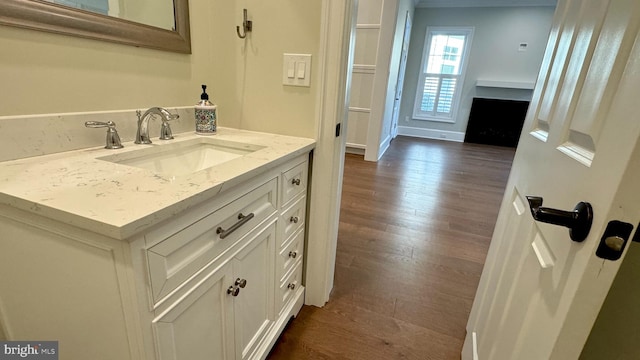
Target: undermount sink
183 158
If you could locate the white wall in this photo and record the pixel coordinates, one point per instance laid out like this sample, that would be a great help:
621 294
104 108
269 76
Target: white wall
47 73
494 53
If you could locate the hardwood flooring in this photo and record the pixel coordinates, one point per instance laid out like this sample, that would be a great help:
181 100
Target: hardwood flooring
414 231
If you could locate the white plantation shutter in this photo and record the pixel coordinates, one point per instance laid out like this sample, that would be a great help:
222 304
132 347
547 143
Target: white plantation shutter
443 65
445 96
429 94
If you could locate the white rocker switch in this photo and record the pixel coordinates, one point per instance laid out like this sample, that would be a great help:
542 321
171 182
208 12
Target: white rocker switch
296 70
302 68
291 70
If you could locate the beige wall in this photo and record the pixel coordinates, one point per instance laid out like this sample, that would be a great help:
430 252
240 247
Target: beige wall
251 71
47 73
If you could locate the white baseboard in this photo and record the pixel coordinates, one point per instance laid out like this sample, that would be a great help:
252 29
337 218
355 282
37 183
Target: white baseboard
357 149
431 133
384 146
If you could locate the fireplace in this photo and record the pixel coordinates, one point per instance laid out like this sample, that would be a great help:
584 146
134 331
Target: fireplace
496 121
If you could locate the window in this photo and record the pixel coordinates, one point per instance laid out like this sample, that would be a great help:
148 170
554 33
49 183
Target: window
450 53
441 74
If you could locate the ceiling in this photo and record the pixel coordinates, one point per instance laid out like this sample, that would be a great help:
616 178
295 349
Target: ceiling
483 3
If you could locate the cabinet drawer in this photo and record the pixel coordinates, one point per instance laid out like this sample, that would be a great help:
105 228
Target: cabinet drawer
292 253
181 255
290 286
294 182
293 219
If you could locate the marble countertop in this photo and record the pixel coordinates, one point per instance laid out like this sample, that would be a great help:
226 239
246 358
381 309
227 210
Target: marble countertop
117 200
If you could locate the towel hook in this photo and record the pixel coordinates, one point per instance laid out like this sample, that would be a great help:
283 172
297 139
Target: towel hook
247 25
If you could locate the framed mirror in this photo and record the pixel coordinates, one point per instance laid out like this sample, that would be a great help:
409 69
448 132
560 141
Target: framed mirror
53 17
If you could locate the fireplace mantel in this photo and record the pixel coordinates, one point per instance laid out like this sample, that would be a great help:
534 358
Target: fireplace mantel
526 85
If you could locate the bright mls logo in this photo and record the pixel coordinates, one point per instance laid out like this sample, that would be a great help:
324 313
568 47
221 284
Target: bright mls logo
33 350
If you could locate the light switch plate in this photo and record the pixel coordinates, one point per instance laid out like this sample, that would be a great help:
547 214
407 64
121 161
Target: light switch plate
301 63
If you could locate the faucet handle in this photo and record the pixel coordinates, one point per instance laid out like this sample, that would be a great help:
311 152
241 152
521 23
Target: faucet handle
165 130
113 139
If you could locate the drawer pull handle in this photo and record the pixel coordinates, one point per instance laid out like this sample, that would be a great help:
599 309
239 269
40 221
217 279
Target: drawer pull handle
294 219
243 220
295 182
241 282
233 291
292 286
293 254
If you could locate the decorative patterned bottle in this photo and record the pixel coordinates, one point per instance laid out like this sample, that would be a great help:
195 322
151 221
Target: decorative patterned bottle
206 115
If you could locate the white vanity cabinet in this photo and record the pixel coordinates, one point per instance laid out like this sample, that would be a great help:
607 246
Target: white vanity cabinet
226 312
219 280
220 287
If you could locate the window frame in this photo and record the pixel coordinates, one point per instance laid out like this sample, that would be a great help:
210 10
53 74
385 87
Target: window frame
432 31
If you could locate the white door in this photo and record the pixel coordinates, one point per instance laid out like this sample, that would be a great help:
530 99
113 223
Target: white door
400 83
540 292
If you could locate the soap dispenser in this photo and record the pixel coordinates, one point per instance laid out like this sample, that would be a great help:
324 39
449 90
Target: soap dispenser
206 114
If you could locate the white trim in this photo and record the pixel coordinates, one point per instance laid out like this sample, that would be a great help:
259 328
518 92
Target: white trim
356 146
431 133
368 26
357 149
364 69
359 109
434 119
384 146
334 79
526 85
475 346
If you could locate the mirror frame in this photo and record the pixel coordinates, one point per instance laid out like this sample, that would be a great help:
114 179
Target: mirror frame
50 17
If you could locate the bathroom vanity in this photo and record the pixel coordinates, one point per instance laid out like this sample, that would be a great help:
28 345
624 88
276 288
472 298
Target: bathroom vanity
146 253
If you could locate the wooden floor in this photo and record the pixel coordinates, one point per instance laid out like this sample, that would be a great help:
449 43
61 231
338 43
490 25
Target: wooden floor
414 232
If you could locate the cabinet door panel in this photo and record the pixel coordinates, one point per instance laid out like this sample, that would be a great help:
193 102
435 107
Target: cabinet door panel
254 309
200 326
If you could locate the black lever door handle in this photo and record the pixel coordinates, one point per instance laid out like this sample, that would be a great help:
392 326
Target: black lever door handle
578 221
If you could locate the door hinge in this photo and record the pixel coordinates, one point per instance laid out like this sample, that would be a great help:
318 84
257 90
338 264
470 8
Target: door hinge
338 129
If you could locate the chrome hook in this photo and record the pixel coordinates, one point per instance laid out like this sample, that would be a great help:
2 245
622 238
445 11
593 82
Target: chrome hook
247 25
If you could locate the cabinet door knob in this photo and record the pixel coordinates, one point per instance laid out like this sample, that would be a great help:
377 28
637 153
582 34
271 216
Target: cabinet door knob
294 219
292 286
295 182
233 291
293 254
241 282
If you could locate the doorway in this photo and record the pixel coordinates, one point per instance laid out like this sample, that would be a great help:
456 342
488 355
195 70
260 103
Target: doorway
413 234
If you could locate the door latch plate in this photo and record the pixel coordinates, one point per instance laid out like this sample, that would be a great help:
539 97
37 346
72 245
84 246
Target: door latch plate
614 240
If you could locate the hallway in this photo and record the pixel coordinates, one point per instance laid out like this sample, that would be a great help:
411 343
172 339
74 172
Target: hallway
414 231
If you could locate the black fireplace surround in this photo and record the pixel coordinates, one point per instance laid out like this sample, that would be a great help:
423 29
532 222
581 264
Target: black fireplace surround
496 121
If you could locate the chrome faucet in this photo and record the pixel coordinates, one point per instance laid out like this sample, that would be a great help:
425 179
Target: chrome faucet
142 135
